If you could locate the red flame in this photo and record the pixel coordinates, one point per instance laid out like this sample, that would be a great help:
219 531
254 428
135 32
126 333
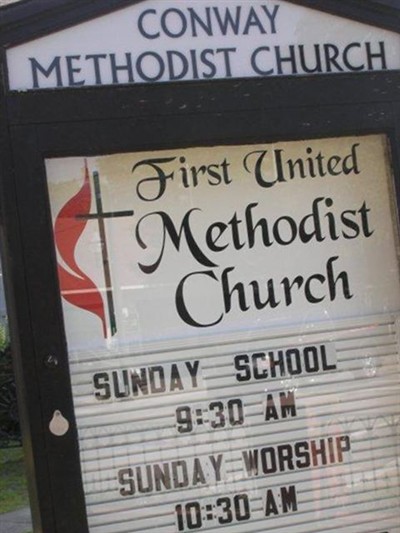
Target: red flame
77 288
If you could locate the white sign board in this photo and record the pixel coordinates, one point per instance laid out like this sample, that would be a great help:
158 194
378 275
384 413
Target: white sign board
232 324
158 40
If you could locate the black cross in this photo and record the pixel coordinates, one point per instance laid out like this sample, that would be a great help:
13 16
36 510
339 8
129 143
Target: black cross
100 215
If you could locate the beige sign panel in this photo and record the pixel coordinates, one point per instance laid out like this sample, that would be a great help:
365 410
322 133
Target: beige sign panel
232 324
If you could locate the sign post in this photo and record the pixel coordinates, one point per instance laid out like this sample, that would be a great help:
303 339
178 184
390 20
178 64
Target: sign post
208 315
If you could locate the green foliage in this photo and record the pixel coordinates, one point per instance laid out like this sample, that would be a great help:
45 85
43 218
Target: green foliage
9 423
4 336
5 353
13 491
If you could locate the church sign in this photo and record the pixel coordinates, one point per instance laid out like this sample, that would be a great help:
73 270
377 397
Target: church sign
207 290
197 242
197 40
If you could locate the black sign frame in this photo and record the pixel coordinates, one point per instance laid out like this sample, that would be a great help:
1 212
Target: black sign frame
279 109
94 121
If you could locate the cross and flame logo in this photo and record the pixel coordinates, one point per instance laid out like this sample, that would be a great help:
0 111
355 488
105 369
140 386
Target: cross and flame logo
76 286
